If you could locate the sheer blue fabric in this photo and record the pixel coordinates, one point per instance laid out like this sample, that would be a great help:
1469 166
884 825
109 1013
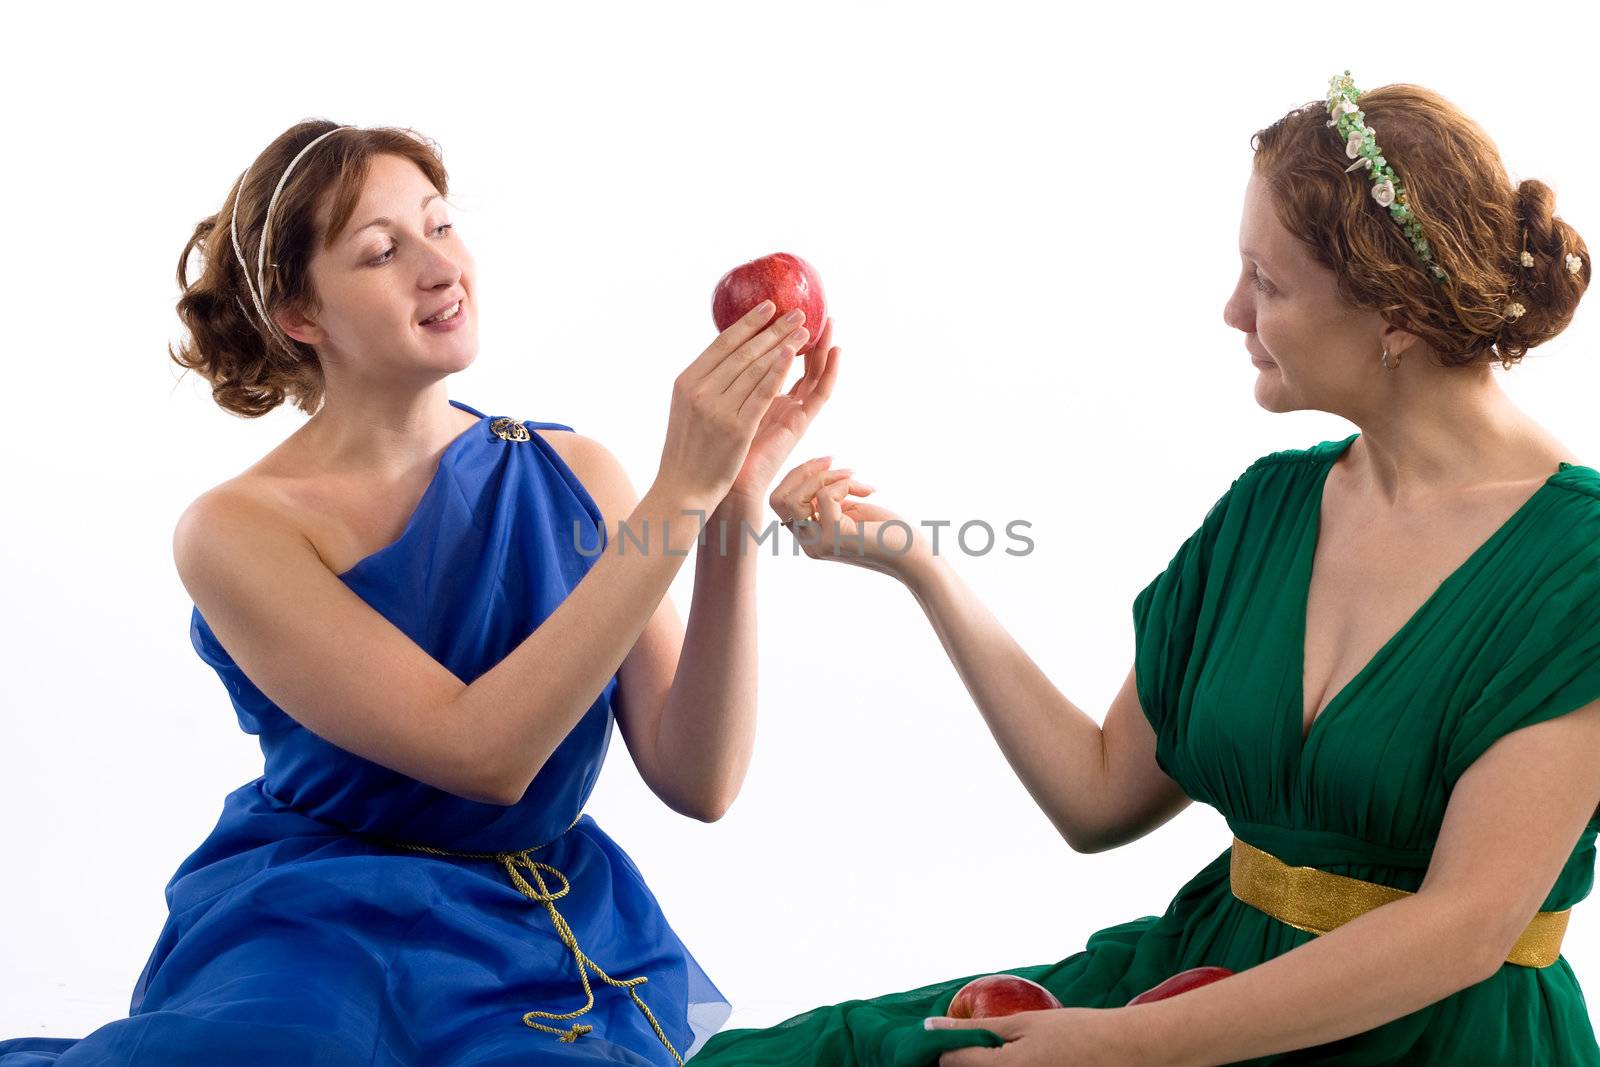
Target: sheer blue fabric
301 931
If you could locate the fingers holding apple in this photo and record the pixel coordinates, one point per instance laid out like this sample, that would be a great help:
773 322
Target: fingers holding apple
719 403
788 417
730 338
787 280
816 384
996 995
749 359
790 285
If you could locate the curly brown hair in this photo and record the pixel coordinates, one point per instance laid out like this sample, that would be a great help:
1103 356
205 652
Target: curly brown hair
250 369
1477 223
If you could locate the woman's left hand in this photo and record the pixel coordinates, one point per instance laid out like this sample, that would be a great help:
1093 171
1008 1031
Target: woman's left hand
1082 1037
787 418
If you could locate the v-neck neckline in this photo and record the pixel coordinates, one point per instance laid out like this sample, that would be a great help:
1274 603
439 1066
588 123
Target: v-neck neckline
1313 535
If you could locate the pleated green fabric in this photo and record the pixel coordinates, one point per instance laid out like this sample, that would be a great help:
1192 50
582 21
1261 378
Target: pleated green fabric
1509 639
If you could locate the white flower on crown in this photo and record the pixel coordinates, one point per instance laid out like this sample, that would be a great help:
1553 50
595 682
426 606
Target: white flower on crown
1574 263
1352 147
1514 311
1383 192
1344 107
1527 258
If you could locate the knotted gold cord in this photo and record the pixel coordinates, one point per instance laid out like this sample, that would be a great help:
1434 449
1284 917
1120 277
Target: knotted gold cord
1316 901
511 861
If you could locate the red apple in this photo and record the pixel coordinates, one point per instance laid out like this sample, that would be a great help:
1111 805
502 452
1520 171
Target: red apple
788 281
995 995
1181 982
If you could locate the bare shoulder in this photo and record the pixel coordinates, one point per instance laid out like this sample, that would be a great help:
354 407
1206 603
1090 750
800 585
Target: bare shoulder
239 510
597 468
252 503
581 452
571 446
244 498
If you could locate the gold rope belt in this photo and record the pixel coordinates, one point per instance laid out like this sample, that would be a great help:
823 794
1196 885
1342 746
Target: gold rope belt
542 895
1316 901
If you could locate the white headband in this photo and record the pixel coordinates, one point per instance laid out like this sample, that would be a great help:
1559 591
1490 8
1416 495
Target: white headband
260 285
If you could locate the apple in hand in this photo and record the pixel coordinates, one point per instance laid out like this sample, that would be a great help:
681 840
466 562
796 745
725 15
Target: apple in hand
994 995
1181 982
788 281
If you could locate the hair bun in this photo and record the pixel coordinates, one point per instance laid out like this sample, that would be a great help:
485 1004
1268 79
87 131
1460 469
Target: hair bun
1536 203
1548 289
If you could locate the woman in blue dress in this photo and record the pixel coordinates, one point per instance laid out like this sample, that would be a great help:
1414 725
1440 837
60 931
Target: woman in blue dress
410 606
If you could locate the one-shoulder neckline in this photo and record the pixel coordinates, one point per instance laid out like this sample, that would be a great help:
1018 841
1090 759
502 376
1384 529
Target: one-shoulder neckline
1329 454
445 458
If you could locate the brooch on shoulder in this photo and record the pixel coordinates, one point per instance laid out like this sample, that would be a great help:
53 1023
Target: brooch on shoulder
509 429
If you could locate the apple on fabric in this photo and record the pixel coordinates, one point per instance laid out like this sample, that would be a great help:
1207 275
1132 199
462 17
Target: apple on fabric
994 995
1181 982
786 280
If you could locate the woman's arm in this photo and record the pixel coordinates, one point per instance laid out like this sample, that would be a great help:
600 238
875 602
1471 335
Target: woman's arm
1055 747
1379 966
686 704
338 667
705 728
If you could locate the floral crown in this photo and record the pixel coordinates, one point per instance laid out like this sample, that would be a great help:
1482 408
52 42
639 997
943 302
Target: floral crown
1360 146
1387 190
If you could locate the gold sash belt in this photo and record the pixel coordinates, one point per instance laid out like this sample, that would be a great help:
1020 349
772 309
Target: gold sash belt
1316 901
511 861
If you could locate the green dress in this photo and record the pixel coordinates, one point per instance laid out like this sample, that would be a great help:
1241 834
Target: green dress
1509 639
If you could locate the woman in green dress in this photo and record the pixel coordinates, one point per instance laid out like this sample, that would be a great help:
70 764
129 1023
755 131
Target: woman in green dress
1378 657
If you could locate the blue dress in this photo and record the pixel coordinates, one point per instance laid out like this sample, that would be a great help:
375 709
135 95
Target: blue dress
311 927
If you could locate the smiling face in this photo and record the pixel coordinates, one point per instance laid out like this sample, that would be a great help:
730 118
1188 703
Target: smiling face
397 262
1312 350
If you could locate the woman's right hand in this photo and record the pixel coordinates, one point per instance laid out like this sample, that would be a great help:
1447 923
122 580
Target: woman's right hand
719 400
845 530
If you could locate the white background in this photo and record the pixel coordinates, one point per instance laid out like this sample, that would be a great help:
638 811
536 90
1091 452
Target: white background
1027 226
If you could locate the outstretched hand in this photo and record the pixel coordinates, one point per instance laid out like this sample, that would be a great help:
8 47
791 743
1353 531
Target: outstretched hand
816 503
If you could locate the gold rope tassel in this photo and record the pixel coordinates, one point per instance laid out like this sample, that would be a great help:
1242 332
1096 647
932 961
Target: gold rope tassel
511 861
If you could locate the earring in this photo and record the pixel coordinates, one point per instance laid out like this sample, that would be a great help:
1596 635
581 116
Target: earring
1384 359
